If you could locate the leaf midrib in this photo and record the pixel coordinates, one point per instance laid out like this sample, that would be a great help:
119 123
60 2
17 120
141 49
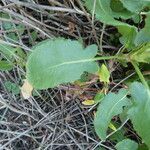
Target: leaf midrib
111 110
70 62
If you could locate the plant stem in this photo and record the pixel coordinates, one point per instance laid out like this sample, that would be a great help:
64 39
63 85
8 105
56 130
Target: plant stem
133 63
101 38
107 58
140 74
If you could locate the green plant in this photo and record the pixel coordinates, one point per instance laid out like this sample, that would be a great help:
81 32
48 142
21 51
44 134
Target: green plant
10 56
12 87
137 106
68 59
127 144
112 11
59 61
12 31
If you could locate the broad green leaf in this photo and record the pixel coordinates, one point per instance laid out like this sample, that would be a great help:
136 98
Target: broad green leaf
141 53
119 11
129 35
124 116
104 74
127 144
105 14
135 5
111 105
144 34
5 65
58 61
137 18
139 113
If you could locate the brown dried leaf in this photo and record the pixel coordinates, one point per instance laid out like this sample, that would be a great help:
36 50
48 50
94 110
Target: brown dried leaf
26 89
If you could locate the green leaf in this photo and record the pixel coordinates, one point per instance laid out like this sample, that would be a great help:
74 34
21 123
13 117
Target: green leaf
139 113
135 5
12 36
143 147
129 35
8 26
12 87
84 77
111 105
58 61
119 11
5 65
137 18
127 144
99 97
34 36
20 28
141 54
119 135
144 34
7 51
105 14
104 74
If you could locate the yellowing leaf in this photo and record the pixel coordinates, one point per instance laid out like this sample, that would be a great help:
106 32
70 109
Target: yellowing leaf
88 102
104 74
26 90
111 126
